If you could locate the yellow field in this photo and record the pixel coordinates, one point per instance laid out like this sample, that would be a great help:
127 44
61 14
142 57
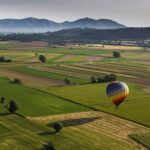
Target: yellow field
97 130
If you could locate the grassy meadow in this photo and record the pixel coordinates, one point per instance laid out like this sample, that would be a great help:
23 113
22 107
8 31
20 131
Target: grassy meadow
33 102
44 97
135 108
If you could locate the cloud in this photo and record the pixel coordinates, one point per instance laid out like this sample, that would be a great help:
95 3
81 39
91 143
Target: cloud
130 12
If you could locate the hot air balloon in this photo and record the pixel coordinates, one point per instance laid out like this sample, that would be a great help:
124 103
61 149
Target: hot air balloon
118 92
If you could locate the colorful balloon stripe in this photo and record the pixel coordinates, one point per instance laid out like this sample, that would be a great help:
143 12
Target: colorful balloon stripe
118 92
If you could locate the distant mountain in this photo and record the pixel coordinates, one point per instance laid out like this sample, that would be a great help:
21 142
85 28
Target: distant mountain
34 25
91 23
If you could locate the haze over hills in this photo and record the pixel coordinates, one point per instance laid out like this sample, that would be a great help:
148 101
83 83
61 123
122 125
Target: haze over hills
34 25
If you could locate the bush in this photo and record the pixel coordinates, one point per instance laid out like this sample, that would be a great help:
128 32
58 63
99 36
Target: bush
2 99
93 79
107 78
100 79
67 81
42 58
2 59
8 60
12 106
58 126
116 54
110 77
17 81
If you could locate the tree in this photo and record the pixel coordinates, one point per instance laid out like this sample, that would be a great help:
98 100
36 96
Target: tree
110 77
8 60
42 58
17 81
93 79
113 77
58 126
2 59
116 54
2 99
67 81
12 106
100 79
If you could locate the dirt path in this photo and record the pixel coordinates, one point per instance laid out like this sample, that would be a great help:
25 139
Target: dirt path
99 123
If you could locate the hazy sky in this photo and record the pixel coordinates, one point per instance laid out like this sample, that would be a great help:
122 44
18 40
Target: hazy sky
128 12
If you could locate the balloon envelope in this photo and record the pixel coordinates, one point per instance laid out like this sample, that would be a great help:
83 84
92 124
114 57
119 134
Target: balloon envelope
118 92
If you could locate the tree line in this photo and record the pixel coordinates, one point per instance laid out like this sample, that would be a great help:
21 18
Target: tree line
82 35
106 78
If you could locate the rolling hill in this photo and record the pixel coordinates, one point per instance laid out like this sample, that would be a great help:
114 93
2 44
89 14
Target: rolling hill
34 25
86 35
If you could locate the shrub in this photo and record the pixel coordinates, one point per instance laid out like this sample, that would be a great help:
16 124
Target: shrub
58 126
107 78
8 60
42 58
12 106
17 81
2 99
67 81
93 79
110 77
100 79
116 54
2 59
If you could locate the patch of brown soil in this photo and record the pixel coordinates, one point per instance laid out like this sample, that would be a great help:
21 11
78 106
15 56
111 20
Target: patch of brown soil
146 90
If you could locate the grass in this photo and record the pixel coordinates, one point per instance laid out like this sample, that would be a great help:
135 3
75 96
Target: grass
117 69
23 134
52 75
93 130
3 129
101 134
135 108
143 139
35 103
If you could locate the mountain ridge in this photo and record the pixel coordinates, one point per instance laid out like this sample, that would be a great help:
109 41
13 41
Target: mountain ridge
35 25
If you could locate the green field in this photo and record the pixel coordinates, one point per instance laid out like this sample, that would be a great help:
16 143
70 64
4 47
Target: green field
35 103
135 108
21 134
90 120
142 139
52 75
3 130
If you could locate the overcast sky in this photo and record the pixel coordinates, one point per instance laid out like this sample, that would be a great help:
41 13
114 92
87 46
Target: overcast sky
128 12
